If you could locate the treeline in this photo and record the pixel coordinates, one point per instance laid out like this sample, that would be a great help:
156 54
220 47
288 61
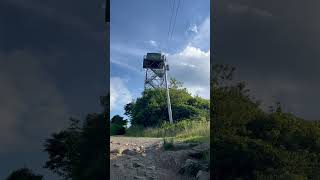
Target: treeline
78 152
249 143
150 110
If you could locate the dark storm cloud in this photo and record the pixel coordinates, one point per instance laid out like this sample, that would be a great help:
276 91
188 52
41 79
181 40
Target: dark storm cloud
274 45
31 105
38 22
52 67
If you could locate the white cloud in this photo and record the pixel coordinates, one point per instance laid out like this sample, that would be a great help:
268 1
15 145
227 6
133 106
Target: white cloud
125 65
192 67
193 28
117 48
153 43
202 37
119 93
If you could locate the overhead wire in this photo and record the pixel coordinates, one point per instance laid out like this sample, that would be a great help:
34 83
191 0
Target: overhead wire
170 25
174 24
172 12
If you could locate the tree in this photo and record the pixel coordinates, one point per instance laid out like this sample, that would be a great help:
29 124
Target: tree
250 143
118 120
175 84
118 125
80 151
24 174
151 108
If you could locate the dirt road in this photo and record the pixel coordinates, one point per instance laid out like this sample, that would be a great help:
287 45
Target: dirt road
144 158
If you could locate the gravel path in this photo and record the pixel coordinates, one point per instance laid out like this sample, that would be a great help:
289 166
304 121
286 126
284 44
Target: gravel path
142 158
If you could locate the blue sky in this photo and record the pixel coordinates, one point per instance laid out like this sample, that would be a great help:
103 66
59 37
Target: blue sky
138 27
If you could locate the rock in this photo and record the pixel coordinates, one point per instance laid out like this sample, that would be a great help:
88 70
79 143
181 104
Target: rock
203 175
152 177
141 172
116 165
193 144
129 152
129 166
137 149
191 167
179 146
195 154
127 144
151 168
139 177
202 147
133 158
143 154
137 164
116 151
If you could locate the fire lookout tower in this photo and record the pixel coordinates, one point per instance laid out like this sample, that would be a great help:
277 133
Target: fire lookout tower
156 75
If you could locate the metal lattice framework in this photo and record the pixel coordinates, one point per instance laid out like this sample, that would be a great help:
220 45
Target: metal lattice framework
156 75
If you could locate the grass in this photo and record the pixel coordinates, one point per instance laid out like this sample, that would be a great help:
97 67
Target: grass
185 130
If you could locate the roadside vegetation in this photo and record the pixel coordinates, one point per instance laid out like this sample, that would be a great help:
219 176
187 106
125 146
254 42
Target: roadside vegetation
188 130
149 116
24 174
254 143
78 151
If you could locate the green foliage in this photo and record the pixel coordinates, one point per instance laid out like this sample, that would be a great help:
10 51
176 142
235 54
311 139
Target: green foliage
24 174
80 151
250 143
116 129
189 130
168 143
118 125
150 110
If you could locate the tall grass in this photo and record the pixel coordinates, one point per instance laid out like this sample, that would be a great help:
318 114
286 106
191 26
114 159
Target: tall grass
185 129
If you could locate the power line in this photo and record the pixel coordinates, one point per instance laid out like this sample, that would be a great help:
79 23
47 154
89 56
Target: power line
175 19
172 12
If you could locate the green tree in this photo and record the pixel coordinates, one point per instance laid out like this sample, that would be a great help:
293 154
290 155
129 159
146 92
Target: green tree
80 151
151 108
24 174
250 143
118 125
175 84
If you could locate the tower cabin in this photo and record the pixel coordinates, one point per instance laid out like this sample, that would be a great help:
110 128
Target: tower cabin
154 61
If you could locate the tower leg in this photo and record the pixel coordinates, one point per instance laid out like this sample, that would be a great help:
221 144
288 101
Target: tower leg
168 97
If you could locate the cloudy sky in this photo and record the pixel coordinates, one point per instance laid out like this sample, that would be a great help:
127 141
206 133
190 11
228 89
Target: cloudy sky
138 28
52 66
275 47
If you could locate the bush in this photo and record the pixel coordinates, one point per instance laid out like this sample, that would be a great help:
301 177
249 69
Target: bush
117 129
24 174
118 125
150 110
250 143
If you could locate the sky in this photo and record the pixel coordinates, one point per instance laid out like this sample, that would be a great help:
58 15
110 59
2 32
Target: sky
52 67
53 59
275 47
139 27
